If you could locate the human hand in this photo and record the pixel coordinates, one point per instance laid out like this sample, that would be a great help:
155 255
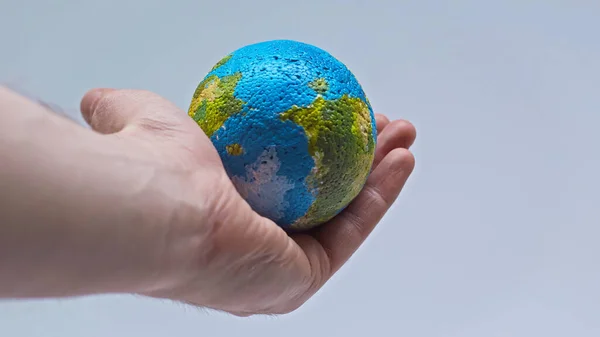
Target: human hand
215 251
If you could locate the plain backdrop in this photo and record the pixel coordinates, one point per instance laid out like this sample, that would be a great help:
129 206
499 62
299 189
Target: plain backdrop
497 232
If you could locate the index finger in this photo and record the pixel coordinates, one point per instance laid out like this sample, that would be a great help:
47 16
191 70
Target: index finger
341 237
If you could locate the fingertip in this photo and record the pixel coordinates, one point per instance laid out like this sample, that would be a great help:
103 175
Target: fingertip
401 159
404 130
382 117
399 134
381 121
90 100
396 166
410 129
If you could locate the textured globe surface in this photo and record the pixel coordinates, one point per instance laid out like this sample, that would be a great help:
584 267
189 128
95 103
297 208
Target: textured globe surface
293 127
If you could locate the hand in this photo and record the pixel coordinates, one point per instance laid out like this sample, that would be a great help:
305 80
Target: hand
228 257
240 262
143 205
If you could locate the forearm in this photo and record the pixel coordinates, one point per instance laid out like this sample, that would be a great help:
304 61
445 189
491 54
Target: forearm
60 232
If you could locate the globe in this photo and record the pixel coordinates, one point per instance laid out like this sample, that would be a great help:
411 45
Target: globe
293 127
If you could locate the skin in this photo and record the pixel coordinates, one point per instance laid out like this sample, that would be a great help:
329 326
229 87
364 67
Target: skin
141 204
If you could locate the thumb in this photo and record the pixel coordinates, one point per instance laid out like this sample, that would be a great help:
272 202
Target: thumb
110 110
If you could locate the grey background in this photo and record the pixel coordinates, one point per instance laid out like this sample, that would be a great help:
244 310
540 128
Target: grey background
496 233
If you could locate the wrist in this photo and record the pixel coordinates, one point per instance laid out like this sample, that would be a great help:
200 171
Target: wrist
73 216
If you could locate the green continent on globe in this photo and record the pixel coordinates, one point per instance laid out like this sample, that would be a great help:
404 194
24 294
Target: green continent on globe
221 62
213 101
339 139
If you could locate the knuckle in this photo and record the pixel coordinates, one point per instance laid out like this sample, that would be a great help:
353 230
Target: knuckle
375 199
358 229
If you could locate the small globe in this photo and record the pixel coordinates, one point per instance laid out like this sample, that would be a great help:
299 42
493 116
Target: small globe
293 127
